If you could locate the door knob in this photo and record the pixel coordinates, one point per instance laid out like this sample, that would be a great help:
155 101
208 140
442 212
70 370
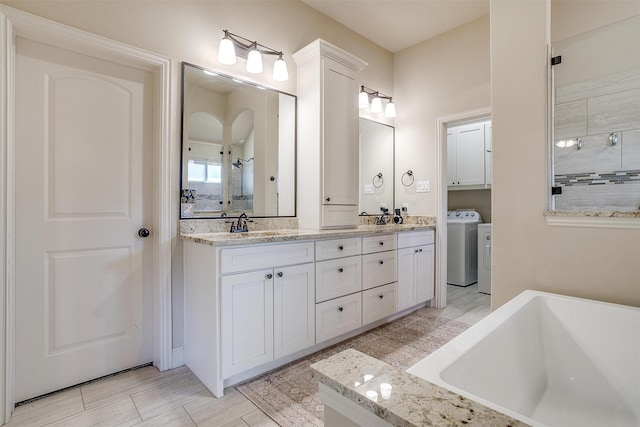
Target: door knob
143 232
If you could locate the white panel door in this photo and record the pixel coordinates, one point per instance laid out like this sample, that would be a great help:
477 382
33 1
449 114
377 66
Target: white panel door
83 189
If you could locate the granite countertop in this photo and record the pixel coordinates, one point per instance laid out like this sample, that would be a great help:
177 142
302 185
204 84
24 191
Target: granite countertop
412 400
285 235
594 214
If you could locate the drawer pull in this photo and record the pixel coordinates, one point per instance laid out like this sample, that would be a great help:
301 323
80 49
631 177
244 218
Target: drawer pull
269 276
341 247
280 274
381 243
340 270
381 262
341 308
380 296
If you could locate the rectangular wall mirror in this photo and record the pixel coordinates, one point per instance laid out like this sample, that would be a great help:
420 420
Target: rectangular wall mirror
596 120
238 147
376 167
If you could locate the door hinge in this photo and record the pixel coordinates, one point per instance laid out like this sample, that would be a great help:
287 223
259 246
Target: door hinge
555 60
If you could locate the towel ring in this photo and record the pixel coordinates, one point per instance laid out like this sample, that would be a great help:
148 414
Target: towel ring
408 181
379 182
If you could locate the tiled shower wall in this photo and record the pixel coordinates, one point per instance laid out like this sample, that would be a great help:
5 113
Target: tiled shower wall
600 176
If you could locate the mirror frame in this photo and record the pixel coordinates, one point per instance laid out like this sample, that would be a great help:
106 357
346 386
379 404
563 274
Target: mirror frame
216 73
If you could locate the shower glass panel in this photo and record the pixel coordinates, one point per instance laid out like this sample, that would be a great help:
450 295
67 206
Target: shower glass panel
596 120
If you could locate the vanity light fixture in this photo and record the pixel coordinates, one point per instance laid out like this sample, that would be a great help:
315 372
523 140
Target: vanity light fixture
376 98
233 45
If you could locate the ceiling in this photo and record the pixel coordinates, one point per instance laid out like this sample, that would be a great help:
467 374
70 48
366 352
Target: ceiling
398 24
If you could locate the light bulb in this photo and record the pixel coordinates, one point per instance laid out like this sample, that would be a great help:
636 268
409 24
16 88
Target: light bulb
254 61
226 51
363 99
376 105
280 72
390 109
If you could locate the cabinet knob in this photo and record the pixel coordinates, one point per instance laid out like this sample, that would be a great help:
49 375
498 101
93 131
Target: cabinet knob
381 243
341 247
416 251
328 199
340 269
381 296
381 262
419 250
269 276
341 308
280 274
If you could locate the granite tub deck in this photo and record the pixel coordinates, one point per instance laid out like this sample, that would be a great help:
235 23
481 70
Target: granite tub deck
293 234
413 401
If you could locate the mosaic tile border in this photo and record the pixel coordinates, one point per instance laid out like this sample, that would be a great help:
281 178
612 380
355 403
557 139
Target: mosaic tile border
592 178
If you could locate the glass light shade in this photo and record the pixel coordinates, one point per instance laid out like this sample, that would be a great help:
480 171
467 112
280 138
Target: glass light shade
280 72
390 109
226 52
363 99
376 105
254 62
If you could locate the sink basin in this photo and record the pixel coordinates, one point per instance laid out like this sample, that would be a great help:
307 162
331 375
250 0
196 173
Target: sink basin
262 233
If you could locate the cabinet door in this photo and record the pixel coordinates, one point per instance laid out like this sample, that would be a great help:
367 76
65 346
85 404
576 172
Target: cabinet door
340 135
470 155
247 321
488 171
451 157
293 309
406 278
424 273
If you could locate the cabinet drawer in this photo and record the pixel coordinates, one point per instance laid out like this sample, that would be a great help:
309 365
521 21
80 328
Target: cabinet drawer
337 248
371 244
379 303
265 256
338 277
338 316
339 216
379 269
415 238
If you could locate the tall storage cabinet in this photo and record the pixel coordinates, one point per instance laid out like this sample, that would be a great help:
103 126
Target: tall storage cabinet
327 136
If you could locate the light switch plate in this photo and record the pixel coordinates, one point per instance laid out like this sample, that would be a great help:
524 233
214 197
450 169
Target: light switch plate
423 186
369 189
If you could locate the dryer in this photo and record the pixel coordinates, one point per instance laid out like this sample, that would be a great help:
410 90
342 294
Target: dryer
484 258
462 247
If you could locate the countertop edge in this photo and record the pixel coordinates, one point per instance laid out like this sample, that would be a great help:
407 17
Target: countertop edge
290 235
414 402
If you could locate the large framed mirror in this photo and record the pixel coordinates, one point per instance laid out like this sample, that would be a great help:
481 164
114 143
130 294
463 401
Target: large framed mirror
238 147
376 167
596 120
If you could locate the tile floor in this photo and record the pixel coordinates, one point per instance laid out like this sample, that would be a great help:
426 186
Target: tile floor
147 397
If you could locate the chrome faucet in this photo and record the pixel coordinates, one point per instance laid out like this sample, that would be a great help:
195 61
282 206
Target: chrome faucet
240 226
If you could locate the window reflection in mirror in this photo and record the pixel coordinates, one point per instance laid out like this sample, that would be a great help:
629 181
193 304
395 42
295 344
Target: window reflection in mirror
596 120
376 167
238 148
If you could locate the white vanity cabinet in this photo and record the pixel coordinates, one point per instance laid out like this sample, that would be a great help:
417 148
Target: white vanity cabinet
328 124
251 308
416 258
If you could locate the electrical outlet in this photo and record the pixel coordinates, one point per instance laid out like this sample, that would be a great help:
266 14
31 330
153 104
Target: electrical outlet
405 208
383 206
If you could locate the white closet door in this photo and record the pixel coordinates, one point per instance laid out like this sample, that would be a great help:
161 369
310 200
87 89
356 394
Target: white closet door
83 189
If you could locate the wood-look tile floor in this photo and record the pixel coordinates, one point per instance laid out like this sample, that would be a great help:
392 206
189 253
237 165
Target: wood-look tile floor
148 397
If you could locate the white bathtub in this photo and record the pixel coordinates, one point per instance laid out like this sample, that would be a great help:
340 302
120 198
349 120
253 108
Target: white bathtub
547 360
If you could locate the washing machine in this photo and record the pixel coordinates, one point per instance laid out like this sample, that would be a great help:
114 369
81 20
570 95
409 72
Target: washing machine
484 258
462 247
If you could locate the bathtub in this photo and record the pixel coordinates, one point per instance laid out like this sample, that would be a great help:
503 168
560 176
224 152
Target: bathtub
547 360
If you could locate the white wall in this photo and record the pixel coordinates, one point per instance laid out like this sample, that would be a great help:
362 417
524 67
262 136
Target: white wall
602 264
441 76
190 31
